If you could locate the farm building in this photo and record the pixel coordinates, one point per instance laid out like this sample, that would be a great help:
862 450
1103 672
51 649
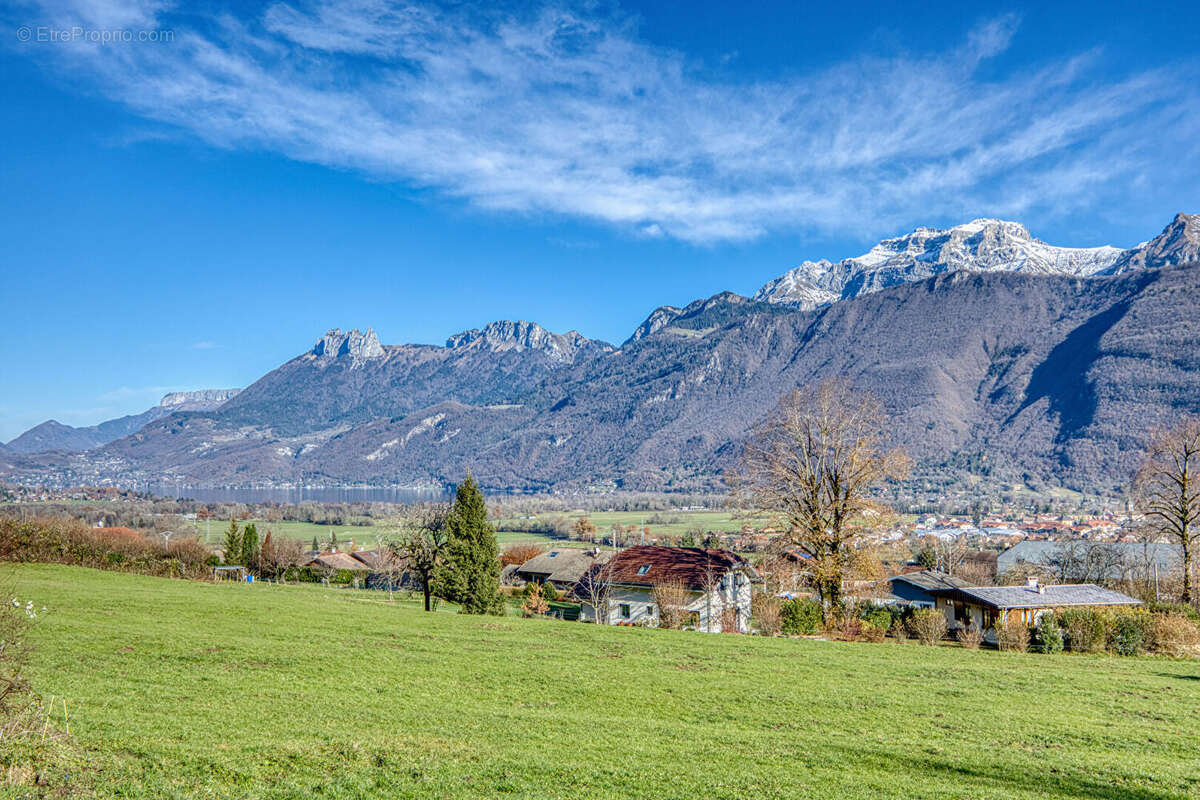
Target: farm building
717 586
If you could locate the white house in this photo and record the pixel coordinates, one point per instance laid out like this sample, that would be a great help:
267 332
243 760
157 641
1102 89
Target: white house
717 585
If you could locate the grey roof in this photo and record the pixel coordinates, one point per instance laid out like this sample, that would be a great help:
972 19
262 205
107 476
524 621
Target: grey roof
1067 594
1166 556
930 580
564 564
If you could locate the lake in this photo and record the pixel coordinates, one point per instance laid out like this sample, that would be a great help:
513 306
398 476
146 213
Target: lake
298 495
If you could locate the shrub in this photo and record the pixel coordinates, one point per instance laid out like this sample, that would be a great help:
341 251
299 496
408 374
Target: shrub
1178 609
766 610
1086 629
1012 634
1175 635
970 637
14 654
56 540
929 625
899 631
800 617
873 631
1049 635
878 616
535 600
1132 632
549 592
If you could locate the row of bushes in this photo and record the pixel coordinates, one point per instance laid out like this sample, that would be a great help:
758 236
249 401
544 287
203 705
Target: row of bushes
1126 632
67 541
1166 629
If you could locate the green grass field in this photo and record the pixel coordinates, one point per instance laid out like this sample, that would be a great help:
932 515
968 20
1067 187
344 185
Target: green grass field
182 690
363 535
676 524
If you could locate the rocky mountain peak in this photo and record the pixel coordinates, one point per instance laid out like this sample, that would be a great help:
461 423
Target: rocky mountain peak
1179 243
353 343
659 318
981 245
504 335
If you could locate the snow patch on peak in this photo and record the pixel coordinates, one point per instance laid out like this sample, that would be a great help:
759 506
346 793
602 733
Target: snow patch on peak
982 244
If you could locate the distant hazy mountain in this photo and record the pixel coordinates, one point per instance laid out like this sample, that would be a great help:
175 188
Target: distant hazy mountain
54 435
1013 360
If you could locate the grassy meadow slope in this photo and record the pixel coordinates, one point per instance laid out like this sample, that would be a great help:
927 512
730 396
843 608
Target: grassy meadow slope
180 689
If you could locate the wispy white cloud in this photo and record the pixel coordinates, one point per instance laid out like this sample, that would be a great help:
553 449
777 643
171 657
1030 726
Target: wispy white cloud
205 345
567 112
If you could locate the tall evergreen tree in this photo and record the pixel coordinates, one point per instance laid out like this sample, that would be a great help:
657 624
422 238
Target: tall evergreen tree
250 547
470 571
233 543
316 545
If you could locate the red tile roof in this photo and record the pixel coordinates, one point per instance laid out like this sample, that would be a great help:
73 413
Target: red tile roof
692 566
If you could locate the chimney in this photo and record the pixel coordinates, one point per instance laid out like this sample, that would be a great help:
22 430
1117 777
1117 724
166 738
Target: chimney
1033 584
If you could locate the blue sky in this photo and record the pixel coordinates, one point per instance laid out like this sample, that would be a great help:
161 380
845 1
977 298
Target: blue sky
191 213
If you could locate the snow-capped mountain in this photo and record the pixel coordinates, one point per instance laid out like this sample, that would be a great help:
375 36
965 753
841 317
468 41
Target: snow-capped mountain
985 245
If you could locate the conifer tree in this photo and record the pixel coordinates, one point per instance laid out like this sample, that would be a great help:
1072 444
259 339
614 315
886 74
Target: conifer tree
233 543
470 572
250 547
316 545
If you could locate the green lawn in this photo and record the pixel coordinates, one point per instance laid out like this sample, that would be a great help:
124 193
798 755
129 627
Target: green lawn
670 523
182 689
365 535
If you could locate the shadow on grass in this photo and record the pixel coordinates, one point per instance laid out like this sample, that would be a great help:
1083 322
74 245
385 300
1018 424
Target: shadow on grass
1007 779
1178 677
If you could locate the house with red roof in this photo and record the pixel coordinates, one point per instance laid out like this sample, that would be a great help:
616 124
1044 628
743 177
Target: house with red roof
717 587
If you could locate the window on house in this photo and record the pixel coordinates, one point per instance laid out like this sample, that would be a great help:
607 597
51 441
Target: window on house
643 569
650 611
625 611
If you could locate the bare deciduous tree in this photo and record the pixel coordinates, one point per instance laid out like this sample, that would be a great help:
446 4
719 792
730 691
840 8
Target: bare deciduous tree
671 598
595 589
279 555
420 544
811 464
1167 488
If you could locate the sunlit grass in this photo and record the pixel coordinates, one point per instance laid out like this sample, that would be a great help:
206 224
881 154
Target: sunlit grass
182 689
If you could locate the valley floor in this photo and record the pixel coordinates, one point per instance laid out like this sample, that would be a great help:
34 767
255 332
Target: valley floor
182 690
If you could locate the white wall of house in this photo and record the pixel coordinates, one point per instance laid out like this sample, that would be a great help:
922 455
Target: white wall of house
633 604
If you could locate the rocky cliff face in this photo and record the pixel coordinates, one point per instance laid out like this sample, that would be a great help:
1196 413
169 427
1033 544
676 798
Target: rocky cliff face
198 400
1179 243
352 344
509 335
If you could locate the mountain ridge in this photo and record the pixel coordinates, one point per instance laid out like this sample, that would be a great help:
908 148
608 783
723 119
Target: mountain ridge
1023 372
979 245
55 435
